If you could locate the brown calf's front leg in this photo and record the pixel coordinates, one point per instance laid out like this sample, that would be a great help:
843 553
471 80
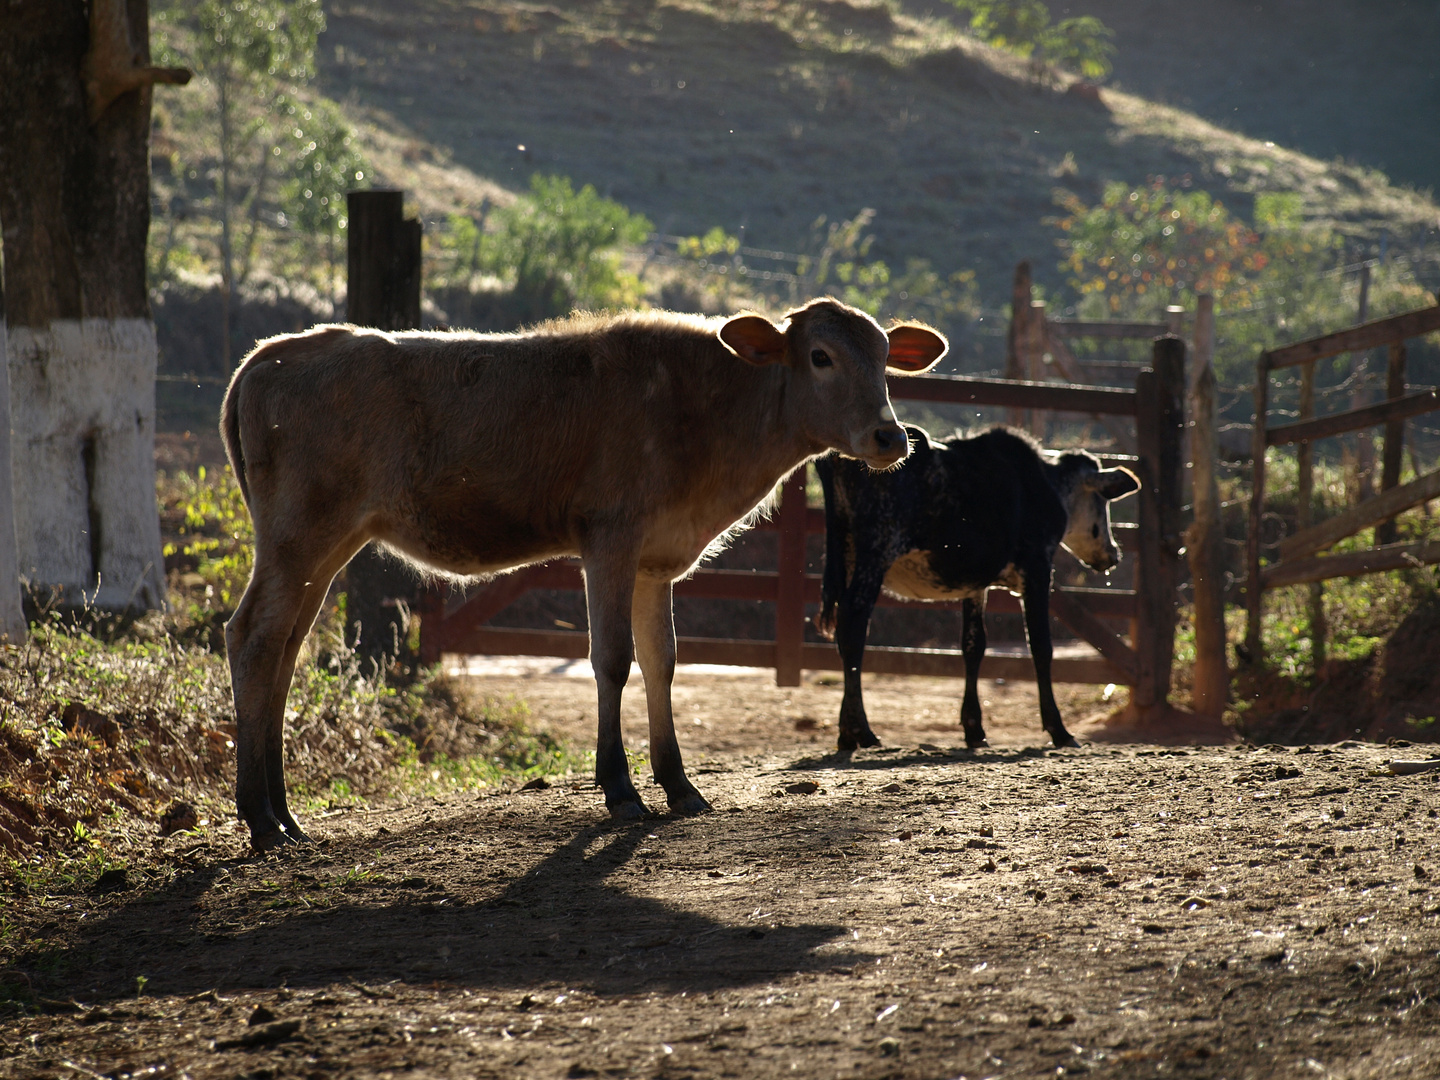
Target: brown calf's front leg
1036 601
609 585
654 627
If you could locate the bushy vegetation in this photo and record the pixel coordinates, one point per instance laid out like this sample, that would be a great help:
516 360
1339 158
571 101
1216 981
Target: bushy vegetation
1080 43
1275 277
105 726
553 250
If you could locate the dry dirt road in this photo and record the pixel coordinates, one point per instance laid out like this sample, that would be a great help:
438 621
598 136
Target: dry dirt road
916 911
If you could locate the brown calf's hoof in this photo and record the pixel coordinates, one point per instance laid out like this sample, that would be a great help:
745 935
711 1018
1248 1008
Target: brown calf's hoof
689 805
629 810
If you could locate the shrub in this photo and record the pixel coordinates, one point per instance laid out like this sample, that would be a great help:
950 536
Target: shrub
554 250
1080 44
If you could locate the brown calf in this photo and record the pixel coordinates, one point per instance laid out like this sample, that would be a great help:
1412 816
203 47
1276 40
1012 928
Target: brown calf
633 441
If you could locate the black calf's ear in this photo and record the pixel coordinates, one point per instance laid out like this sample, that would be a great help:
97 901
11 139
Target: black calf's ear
755 339
915 348
1117 483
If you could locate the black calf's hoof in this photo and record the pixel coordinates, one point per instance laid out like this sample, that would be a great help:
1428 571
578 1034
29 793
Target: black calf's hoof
981 743
853 740
1066 740
689 805
269 841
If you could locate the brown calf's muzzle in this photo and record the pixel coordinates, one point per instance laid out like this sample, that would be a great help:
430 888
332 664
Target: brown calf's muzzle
891 446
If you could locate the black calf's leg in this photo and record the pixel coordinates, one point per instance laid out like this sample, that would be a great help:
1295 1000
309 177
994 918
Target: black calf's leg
972 643
1036 601
852 626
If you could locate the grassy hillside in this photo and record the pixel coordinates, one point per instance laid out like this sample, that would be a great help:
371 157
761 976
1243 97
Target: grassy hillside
765 114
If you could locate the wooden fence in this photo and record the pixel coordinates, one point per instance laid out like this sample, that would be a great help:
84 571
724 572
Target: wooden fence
1300 561
1156 403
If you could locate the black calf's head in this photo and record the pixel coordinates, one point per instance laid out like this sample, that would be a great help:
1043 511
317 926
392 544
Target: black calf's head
1087 491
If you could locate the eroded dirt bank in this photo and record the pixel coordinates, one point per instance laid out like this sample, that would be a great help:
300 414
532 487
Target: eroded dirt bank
913 912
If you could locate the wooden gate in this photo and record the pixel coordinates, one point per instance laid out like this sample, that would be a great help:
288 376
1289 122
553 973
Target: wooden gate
452 625
1299 562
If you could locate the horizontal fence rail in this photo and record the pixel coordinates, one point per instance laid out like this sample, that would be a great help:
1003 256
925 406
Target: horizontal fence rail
459 625
1368 335
1061 397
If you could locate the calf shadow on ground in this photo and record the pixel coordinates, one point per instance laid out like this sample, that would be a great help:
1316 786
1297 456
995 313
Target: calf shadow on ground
561 922
886 758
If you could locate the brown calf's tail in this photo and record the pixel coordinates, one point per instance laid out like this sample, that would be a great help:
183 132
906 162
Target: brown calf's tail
230 431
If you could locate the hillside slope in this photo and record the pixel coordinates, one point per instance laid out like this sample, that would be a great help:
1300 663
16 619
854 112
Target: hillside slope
764 114
1332 78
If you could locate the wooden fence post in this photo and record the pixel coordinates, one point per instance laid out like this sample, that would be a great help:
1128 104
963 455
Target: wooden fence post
1305 514
1205 537
383 291
790 587
1035 349
1017 341
1360 396
1159 428
1254 589
383 287
1386 532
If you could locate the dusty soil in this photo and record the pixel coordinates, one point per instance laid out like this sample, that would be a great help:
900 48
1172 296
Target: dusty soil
915 911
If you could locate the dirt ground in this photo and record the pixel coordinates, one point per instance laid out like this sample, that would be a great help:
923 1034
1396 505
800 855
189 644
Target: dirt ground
915 911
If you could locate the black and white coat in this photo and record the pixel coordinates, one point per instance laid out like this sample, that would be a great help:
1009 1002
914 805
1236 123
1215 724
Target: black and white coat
953 519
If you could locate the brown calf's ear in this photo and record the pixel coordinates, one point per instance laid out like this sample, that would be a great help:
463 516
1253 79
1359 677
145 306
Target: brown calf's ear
915 348
1116 483
755 339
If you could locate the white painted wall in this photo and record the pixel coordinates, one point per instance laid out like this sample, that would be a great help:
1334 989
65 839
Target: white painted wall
73 380
12 618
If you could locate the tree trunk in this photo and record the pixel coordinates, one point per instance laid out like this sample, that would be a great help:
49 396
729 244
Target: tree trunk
75 215
12 616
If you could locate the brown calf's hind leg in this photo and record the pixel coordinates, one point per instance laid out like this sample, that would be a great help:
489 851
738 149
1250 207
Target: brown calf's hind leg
257 639
654 626
315 592
609 586
263 640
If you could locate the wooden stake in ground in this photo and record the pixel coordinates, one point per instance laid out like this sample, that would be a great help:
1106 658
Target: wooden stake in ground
1203 541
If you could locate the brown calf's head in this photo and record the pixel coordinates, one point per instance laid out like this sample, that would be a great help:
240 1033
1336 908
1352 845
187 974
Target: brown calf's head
837 356
1087 491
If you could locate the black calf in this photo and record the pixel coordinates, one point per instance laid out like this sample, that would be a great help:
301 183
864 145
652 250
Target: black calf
955 518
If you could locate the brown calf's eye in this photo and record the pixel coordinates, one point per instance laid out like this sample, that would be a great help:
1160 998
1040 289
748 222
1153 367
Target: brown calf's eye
820 358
